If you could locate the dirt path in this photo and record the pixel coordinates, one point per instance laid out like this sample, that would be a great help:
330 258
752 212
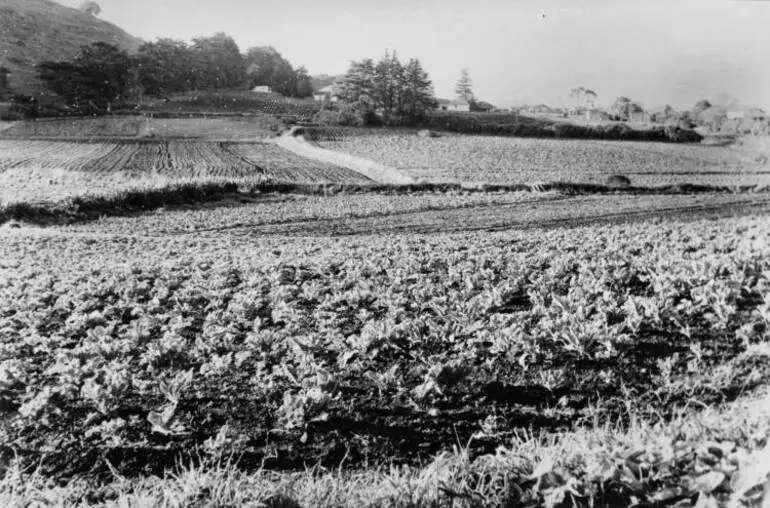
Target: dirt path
373 170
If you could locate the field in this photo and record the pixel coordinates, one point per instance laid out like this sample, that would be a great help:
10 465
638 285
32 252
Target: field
35 170
297 334
518 160
144 337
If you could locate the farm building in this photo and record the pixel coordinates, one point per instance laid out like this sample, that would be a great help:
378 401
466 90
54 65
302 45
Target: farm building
752 115
328 93
460 105
261 89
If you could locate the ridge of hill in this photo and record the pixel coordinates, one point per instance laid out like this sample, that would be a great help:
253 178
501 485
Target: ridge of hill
33 31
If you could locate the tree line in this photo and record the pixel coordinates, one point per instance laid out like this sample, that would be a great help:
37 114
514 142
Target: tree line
387 91
102 74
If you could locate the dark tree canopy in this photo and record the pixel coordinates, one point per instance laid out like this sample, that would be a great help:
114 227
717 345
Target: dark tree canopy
99 75
165 67
267 67
217 63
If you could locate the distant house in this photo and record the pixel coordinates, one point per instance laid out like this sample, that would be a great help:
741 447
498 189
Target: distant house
262 89
540 109
736 115
459 105
328 93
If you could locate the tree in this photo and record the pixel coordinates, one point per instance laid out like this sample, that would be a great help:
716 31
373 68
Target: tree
481 106
284 80
217 62
388 85
91 7
624 107
584 97
261 64
304 83
464 86
267 67
665 115
358 82
699 108
400 93
98 76
5 87
417 92
164 67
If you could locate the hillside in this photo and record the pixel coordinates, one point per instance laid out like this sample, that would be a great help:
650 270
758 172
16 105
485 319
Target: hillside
32 31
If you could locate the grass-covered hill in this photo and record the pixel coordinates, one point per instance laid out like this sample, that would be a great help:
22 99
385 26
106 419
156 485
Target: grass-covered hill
32 31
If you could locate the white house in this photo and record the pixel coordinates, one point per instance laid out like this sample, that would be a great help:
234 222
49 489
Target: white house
328 93
459 105
261 89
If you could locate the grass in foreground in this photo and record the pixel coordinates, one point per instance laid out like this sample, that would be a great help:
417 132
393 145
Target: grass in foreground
713 457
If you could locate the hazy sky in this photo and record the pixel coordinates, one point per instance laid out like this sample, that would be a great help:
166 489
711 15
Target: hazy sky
517 51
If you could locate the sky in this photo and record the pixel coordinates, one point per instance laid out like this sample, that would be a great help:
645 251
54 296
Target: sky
517 51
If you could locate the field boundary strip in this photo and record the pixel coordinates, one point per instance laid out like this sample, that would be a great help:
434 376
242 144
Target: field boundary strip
132 201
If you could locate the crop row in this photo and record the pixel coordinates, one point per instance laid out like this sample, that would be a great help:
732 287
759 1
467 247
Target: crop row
50 170
306 349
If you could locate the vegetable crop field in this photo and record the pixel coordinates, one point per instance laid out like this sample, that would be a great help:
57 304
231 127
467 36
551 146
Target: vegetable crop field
123 345
455 158
53 170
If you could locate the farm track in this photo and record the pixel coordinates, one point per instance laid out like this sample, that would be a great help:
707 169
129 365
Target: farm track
368 168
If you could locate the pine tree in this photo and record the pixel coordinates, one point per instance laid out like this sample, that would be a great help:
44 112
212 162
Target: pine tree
418 96
358 84
388 81
464 86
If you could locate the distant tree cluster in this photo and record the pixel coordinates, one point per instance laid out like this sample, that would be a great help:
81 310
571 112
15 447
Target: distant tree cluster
99 76
397 93
102 74
623 108
169 66
266 67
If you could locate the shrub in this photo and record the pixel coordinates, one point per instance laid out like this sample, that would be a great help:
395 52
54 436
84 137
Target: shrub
618 182
679 135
